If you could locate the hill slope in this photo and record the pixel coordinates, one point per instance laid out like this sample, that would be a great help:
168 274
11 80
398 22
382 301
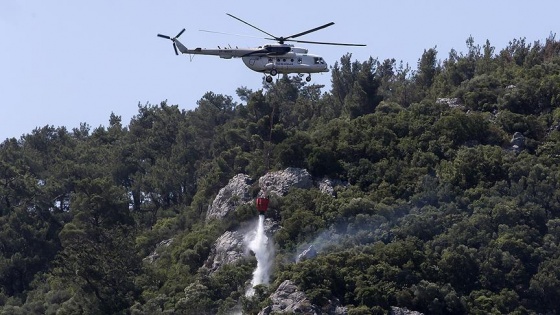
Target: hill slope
442 214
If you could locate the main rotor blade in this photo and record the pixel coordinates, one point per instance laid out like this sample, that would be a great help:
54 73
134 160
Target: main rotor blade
175 48
322 43
163 36
267 33
207 31
310 31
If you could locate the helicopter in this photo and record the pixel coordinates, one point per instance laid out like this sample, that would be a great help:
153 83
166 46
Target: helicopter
269 59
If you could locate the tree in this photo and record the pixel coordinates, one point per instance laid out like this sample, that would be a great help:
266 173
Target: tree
427 69
343 78
362 98
98 257
460 268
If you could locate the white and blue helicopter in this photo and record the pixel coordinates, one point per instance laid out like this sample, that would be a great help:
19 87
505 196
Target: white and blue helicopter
270 59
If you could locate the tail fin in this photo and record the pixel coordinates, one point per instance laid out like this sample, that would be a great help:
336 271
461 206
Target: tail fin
181 47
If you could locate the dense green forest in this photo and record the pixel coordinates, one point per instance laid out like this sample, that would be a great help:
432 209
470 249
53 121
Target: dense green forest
442 214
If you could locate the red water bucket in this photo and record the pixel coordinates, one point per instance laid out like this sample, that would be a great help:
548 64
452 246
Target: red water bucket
262 204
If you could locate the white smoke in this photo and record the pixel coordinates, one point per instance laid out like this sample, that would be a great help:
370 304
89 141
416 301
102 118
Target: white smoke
264 253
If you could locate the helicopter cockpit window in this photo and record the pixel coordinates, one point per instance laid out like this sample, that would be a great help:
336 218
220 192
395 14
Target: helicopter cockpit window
318 60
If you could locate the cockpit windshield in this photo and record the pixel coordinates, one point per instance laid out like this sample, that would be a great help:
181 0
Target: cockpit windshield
318 60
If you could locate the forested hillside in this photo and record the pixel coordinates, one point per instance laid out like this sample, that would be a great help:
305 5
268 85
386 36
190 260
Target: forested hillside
442 214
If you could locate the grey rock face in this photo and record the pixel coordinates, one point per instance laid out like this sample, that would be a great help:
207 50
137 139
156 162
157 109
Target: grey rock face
289 300
450 101
235 193
517 142
227 249
327 186
155 254
402 311
280 182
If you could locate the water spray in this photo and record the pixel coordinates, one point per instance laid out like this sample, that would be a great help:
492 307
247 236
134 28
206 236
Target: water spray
264 252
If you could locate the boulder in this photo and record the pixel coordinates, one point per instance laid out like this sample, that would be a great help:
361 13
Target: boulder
289 300
402 311
450 101
155 254
327 186
280 182
231 246
517 142
227 249
234 194
237 191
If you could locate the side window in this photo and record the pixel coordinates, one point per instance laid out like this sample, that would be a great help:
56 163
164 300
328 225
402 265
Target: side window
299 60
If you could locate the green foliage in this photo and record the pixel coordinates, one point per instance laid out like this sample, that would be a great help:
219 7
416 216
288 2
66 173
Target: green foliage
433 209
98 257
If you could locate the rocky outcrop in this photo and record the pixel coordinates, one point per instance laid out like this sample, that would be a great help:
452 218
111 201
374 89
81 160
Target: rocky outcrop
235 193
271 226
227 249
231 246
280 182
517 142
288 299
450 101
402 311
327 186
156 253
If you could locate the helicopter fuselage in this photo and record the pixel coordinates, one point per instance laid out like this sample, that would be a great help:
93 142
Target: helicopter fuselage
269 59
291 62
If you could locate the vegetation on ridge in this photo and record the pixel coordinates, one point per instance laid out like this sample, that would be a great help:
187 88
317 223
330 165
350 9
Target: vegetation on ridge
442 214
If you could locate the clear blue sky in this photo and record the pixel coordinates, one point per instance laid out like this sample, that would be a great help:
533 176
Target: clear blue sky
65 62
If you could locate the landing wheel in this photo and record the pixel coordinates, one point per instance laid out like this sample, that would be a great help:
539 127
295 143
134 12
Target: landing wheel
273 72
308 78
268 79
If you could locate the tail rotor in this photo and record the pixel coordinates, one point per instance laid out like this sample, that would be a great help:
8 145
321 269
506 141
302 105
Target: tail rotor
172 39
